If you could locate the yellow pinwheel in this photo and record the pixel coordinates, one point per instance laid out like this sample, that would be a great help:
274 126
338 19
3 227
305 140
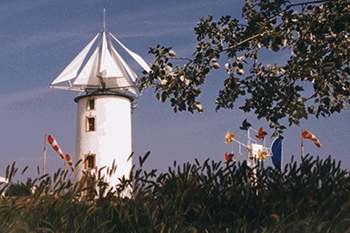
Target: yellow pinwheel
262 154
229 137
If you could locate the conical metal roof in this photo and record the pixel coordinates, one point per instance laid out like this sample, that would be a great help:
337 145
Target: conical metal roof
105 69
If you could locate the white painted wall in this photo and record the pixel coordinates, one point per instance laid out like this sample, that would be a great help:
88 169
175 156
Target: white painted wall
3 180
112 138
254 150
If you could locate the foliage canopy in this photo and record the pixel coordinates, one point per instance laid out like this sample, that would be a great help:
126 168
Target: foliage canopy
313 80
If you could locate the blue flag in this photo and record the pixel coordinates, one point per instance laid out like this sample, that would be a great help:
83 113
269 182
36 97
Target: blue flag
276 149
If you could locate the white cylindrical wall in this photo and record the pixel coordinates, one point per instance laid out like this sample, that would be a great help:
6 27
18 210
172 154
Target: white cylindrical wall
110 138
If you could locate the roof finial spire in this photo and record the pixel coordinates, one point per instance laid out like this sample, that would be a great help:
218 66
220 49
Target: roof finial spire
104 18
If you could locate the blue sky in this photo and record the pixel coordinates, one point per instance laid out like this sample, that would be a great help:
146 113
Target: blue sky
38 40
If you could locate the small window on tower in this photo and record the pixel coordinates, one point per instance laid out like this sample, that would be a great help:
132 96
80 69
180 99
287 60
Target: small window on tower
91 104
90 161
90 124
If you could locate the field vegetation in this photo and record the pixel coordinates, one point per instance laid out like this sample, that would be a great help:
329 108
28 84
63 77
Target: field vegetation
310 196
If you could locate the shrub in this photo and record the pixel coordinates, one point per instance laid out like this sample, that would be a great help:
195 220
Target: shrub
18 189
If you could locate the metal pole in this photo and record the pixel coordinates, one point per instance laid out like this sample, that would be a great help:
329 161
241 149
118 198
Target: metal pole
302 145
44 155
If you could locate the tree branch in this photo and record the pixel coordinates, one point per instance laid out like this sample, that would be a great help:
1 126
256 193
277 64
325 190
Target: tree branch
180 58
306 3
242 42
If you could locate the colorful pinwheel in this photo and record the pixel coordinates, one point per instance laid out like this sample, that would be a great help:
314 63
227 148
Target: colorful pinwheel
261 134
262 154
245 125
228 157
229 137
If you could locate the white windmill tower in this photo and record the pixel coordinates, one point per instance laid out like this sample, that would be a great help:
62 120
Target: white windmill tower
104 111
